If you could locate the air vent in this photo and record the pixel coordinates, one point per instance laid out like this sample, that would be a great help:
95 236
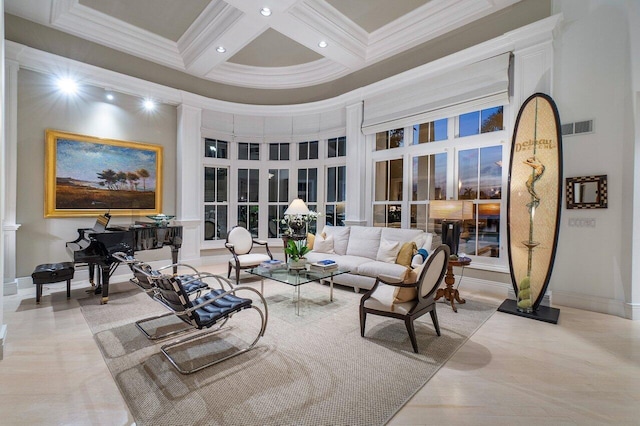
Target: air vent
576 128
567 129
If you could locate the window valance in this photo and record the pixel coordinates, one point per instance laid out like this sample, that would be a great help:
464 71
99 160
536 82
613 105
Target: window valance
452 92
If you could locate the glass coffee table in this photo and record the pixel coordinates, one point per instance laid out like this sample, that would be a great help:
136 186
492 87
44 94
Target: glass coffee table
296 278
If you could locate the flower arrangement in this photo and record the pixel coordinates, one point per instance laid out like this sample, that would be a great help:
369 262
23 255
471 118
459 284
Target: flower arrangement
296 224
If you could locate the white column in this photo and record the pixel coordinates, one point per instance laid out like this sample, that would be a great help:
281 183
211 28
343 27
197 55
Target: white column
355 209
9 225
3 182
189 176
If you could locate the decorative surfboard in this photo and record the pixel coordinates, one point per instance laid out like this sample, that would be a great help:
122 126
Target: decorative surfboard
534 200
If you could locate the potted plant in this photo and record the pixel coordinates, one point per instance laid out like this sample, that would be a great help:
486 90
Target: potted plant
295 251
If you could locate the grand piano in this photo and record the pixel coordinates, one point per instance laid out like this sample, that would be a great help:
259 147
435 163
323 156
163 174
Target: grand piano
94 247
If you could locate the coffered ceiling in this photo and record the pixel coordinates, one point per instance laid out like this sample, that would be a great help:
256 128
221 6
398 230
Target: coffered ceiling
270 52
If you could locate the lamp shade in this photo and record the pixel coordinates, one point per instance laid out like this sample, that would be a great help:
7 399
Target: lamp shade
297 206
451 209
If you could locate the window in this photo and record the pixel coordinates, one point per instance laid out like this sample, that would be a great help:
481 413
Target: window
465 163
480 180
278 151
336 191
430 132
308 150
308 191
254 191
278 199
214 148
390 139
216 189
248 207
389 179
248 151
429 182
337 147
485 121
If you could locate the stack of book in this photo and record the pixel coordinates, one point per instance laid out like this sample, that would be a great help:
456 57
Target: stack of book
324 265
273 264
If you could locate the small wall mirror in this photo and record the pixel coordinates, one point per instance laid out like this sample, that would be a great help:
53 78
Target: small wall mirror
587 192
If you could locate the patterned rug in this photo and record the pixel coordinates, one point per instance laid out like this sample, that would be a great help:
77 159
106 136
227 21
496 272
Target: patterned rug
309 369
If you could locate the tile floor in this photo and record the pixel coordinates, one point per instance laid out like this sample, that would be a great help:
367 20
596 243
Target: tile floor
583 371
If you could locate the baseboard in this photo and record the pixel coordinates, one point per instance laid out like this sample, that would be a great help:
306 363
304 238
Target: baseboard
3 335
492 288
10 288
597 304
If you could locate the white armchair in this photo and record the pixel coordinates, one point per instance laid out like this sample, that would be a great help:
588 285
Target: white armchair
240 243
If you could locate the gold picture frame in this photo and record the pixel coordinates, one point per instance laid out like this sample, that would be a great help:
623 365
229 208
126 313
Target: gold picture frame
86 175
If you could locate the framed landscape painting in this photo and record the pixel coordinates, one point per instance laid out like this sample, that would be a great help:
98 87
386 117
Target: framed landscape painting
86 176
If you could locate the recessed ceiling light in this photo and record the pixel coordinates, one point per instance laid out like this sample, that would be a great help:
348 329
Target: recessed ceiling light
149 105
109 96
323 44
67 85
221 49
265 11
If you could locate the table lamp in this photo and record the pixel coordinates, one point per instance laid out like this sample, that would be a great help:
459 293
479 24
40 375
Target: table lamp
297 212
452 213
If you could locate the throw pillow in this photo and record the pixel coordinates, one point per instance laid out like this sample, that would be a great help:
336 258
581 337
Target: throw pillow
323 245
407 294
406 254
310 240
388 251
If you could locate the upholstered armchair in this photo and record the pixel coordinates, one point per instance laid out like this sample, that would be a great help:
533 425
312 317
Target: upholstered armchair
240 243
408 301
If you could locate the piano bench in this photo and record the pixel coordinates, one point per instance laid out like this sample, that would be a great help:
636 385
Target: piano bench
49 273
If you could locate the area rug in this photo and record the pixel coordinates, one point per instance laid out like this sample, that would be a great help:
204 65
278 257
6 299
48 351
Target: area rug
308 369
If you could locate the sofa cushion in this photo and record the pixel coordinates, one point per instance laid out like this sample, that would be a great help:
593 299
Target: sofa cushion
340 236
403 234
315 256
364 241
352 263
388 251
406 254
376 268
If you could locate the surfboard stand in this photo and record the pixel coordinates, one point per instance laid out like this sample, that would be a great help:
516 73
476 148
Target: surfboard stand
543 313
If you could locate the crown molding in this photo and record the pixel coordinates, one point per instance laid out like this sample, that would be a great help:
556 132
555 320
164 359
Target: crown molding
309 74
433 19
73 18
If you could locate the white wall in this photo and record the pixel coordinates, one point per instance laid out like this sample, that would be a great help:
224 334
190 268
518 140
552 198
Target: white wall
40 107
592 80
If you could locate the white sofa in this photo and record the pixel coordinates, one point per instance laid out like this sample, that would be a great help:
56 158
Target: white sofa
368 252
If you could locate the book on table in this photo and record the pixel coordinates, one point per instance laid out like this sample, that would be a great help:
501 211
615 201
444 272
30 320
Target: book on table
324 265
272 264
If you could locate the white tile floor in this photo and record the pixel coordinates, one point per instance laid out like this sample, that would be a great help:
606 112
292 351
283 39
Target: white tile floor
583 371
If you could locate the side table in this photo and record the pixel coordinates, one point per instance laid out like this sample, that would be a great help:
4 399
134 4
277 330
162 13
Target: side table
451 294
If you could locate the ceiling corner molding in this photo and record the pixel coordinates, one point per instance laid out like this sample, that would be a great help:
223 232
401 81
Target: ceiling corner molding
435 18
73 18
347 41
201 37
309 74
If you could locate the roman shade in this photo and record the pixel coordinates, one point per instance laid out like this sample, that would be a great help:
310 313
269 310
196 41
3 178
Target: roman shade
448 93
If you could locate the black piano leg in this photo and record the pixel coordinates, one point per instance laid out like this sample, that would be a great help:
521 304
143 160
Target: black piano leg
174 258
105 284
92 274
